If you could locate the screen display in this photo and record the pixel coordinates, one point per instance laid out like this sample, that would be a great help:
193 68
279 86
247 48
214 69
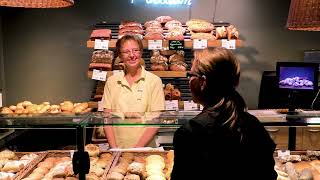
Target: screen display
297 77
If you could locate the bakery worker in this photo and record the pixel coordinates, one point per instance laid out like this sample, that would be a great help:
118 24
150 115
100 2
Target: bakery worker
135 90
223 141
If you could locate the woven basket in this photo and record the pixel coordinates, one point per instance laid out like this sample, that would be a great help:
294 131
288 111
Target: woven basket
37 3
304 15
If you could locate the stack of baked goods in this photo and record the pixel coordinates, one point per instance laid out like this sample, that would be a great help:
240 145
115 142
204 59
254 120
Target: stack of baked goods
130 28
28 108
136 166
100 34
227 33
158 61
200 29
102 60
300 166
10 164
171 92
153 30
175 30
176 61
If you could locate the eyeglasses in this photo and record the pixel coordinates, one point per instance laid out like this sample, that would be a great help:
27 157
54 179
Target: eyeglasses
190 74
128 52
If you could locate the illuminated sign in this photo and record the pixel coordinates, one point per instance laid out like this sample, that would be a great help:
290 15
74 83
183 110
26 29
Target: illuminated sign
167 2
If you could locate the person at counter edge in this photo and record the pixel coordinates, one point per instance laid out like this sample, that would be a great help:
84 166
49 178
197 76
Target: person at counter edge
223 141
135 90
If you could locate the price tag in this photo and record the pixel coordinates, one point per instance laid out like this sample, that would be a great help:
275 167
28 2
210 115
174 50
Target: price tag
154 44
0 99
190 106
103 147
101 44
228 44
99 75
172 105
100 106
176 45
201 107
117 71
283 153
200 43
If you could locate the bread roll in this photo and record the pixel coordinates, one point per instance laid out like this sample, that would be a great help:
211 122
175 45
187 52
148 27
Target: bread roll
92 176
135 168
7 154
6 110
92 149
96 170
106 156
66 106
221 32
13 166
115 176
132 177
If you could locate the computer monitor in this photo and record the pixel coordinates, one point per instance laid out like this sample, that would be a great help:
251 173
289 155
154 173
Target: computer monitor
296 77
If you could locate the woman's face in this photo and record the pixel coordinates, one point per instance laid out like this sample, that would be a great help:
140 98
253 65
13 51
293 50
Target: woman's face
130 54
195 84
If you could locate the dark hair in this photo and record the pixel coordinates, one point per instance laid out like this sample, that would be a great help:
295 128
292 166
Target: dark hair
222 72
124 39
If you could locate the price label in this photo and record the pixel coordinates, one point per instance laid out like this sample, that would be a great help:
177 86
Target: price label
176 45
201 107
101 44
103 147
154 44
117 71
99 75
283 153
200 43
0 99
172 105
228 44
190 106
100 106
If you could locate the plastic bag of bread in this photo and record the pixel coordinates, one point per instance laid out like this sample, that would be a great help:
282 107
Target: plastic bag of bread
232 32
100 33
159 66
178 66
221 32
178 56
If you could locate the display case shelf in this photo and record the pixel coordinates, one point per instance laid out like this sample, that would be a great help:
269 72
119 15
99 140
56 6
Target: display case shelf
188 43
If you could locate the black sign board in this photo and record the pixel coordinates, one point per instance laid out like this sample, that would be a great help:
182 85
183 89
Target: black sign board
176 45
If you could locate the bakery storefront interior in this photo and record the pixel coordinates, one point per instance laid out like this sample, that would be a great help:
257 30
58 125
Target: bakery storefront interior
55 59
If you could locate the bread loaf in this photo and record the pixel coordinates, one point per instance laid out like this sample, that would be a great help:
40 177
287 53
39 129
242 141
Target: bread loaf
164 19
153 36
101 33
173 23
152 23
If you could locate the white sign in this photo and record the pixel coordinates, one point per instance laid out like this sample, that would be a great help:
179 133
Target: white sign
99 75
190 106
0 99
154 44
201 107
168 2
228 44
172 105
283 153
200 43
101 44
117 72
100 106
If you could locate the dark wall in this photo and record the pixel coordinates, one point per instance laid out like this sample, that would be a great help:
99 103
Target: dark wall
46 59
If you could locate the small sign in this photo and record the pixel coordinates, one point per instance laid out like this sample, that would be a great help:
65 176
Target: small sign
101 44
228 44
176 45
99 75
0 99
100 106
190 106
172 105
154 44
283 153
200 43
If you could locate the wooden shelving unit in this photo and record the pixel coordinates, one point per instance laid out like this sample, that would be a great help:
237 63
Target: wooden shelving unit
188 43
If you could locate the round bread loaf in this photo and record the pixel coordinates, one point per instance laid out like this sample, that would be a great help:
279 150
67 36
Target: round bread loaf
92 149
135 168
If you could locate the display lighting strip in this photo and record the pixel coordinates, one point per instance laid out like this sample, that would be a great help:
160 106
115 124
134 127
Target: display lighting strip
167 2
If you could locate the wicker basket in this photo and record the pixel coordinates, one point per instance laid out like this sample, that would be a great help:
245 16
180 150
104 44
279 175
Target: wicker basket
37 3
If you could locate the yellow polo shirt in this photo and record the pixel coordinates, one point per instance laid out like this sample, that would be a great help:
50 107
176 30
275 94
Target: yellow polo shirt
145 95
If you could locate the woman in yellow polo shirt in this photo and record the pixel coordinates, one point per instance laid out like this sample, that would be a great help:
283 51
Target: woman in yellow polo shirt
135 90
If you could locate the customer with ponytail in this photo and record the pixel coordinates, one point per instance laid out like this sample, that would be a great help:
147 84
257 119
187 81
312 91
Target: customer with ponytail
223 141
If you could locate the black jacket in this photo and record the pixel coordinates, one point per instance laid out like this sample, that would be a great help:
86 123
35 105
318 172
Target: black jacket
204 148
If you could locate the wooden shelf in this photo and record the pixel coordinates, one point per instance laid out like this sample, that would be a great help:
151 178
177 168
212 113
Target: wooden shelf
188 43
158 73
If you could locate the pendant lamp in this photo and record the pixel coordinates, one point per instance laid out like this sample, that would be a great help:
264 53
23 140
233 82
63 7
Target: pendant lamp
37 3
304 15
